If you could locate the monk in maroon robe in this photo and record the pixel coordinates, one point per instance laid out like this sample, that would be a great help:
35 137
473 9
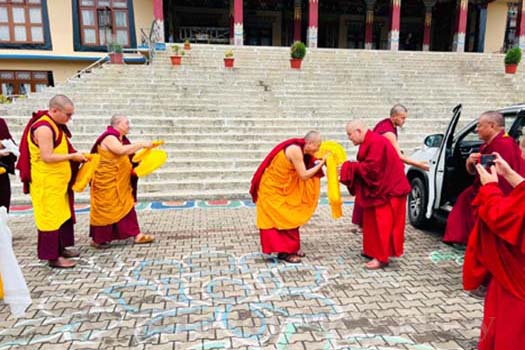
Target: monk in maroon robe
496 249
7 161
388 128
491 129
379 183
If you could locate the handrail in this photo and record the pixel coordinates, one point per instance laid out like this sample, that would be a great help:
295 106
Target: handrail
88 68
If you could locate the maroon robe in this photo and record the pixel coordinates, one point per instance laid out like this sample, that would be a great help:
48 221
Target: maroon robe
496 249
462 217
381 128
382 197
8 162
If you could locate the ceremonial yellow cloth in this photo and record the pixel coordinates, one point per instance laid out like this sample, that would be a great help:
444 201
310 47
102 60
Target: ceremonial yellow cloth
111 192
285 201
49 182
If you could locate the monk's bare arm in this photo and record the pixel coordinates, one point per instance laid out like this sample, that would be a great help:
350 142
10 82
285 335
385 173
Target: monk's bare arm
112 144
295 155
44 140
393 140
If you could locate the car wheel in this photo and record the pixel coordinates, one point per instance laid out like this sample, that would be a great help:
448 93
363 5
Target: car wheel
417 203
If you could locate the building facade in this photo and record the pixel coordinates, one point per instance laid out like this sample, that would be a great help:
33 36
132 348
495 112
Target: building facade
48 41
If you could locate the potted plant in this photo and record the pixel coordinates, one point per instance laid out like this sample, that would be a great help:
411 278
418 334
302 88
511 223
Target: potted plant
297 51
176 58
512 58
228 59
187 45
115 53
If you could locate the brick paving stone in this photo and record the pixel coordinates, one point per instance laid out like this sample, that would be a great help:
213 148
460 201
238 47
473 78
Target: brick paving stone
204 284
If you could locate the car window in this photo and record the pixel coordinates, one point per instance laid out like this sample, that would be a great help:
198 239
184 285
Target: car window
472 135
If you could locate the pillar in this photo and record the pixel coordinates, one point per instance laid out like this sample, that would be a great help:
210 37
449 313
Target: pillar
521 26
313 22
395 19
238 30
158 15
297 21
461 27
369 24
428 24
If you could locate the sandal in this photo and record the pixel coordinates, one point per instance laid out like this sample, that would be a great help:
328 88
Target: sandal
70 253
100 246
300 253
289 258
375 264
62 263
143 239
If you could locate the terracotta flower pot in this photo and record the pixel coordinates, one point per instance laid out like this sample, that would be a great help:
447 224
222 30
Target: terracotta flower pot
116 58
511 68
228 62
187 46
176 60
296 63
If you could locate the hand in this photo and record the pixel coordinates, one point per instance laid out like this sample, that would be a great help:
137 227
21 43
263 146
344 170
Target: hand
325 157
78 157
473 158
147 145
487 176
4 152
502 167
424 166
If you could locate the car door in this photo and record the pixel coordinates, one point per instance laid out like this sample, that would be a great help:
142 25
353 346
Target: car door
439 163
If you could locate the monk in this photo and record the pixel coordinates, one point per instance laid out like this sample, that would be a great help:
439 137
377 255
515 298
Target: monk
285 189
112 213
47 167
378 181
7 161
388 128
490 129
496 249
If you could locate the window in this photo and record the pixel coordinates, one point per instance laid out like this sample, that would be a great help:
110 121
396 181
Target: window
104 21
21 22
24 82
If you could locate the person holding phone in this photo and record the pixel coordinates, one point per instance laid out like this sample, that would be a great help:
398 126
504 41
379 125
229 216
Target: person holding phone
491 130
496 252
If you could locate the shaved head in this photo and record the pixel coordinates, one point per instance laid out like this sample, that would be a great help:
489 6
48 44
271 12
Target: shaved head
398 108
60 101
116 119
493 117
356 131
312 142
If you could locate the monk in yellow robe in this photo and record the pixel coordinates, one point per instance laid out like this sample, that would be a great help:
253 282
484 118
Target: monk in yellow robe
112 214
47 166
286 189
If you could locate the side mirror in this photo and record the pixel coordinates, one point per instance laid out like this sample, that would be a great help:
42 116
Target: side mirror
434 140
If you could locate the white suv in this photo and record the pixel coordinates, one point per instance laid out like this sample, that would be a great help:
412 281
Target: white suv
435 192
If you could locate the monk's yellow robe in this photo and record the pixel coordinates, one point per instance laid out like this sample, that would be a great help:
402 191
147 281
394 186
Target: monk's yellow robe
285 201
49 184
111 191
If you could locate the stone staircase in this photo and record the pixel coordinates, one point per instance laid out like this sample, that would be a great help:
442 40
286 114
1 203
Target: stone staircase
218 124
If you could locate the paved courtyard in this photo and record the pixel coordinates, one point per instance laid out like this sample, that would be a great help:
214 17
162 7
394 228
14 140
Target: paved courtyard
204 285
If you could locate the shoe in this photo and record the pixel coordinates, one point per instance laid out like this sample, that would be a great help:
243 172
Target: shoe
479 293
100 246
144 239
290 258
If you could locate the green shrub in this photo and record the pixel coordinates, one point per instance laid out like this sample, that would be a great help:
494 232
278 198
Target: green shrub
228 54
298 50
115 47
513 56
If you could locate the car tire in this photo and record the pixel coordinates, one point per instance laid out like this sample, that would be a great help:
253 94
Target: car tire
417 203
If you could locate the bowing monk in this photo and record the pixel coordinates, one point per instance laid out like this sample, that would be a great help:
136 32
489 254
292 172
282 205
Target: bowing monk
388 128
378 181
112 214
496 249
490 129
285 189
47 164
7 161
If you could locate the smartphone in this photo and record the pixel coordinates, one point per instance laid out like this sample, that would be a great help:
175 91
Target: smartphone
487 160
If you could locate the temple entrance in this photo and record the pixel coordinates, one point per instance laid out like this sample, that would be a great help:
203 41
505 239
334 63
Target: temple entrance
412 25
443 26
